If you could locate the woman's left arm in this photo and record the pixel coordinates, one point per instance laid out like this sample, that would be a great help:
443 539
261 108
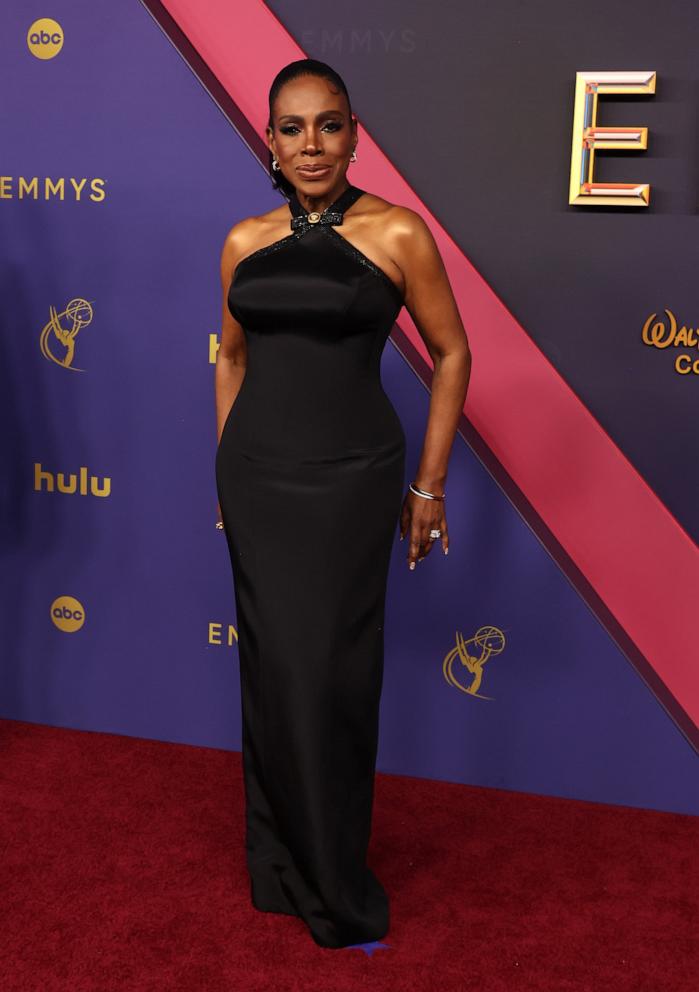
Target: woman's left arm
430 302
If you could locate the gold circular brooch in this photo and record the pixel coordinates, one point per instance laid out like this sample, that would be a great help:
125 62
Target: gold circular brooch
313 218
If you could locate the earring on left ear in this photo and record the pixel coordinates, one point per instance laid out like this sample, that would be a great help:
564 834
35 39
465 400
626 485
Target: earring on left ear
353 156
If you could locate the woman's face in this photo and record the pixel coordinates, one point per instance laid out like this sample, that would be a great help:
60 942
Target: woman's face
313 136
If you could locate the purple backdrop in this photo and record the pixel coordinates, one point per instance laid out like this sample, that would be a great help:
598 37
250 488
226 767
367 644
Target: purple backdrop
166 177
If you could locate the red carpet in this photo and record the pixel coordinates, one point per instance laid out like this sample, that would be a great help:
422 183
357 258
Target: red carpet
122 869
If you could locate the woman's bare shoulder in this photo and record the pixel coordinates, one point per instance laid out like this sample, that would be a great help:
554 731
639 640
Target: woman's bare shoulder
247 234
401 225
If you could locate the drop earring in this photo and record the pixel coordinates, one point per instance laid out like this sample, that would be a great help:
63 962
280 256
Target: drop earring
275 165
353 156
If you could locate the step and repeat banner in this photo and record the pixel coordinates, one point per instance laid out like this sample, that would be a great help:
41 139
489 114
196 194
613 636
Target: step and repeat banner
120 176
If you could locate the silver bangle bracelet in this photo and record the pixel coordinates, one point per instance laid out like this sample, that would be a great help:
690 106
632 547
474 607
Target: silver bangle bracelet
424 493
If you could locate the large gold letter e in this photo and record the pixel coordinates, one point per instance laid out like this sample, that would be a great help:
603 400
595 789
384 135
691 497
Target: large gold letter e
588 138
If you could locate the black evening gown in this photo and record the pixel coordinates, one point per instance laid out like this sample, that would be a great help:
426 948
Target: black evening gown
310 475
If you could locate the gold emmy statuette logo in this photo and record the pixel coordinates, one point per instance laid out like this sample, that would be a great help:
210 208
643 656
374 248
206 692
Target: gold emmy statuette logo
57 342
214 345
658 334
45 38
68 614
487 641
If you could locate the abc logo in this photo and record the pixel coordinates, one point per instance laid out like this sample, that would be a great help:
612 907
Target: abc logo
45 38
68 614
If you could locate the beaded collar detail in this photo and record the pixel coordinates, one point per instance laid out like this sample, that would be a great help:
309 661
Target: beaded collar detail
302 220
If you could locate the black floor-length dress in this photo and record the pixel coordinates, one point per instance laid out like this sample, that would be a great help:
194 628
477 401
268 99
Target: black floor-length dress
310 476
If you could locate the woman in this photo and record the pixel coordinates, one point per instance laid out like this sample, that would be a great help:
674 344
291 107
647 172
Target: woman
310 474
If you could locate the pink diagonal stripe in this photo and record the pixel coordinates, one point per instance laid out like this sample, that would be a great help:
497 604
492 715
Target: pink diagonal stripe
631 549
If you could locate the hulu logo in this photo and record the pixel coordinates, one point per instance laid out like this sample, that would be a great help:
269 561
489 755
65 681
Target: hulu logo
81 483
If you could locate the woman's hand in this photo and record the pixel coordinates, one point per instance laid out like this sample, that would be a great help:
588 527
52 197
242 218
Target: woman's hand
418 517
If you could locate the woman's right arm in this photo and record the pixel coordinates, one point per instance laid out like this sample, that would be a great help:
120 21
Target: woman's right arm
232 353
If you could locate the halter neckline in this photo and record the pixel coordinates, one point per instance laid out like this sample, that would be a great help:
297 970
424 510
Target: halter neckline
333 214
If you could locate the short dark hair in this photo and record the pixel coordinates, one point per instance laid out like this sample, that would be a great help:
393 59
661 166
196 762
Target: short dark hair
302 67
